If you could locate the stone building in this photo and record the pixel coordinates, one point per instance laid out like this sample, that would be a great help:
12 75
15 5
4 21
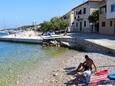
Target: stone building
107 17
81 14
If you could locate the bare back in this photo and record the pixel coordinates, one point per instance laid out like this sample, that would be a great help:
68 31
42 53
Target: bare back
89 63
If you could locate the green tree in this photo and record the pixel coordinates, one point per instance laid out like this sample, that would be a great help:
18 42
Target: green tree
94 19
44 26
55 23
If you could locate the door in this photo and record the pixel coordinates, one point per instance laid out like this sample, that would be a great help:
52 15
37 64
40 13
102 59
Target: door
97 28
80 26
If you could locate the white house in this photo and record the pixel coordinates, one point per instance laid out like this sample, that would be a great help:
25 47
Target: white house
110 9
70 18
82 12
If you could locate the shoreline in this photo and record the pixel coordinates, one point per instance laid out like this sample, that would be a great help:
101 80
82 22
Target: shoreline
55 73
86 42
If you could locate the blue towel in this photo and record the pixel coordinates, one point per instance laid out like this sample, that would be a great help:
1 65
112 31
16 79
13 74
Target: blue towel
106 82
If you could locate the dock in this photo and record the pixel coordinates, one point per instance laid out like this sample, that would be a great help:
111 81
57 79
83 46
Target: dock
32 39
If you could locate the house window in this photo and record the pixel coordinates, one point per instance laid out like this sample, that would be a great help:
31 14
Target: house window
78 17
103 24
84 23
74 17
76 12
80 12
72 23
113 8
111 23
84 10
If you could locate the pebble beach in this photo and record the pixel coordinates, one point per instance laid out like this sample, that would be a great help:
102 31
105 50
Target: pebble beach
59 71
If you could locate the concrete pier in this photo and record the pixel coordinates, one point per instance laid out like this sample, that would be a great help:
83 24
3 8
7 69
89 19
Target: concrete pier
22 40
33 39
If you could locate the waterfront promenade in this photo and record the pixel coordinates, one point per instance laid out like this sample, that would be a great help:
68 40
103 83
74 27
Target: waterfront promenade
102 40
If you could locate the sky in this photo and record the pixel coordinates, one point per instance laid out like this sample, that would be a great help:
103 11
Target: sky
15 13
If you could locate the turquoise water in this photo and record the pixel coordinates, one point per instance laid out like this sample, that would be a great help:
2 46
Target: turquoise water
16 58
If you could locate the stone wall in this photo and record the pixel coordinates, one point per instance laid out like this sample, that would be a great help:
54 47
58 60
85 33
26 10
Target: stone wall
84 45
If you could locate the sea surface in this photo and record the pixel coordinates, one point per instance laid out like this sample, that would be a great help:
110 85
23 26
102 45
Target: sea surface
17 58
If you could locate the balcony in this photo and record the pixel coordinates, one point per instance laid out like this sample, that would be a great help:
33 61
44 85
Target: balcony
103 9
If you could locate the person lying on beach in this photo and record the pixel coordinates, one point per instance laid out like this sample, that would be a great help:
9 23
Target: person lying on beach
87 63
83 77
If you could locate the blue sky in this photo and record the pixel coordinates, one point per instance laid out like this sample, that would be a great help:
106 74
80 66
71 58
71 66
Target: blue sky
14 13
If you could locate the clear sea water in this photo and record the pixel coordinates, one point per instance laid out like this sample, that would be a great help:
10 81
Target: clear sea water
15 58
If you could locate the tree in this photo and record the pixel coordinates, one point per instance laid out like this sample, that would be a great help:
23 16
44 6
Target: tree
94 19
45 26
55 23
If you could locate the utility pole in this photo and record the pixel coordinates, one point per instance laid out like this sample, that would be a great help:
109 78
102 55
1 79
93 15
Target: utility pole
34 24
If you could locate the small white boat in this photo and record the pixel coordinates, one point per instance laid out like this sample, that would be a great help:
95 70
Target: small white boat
3 33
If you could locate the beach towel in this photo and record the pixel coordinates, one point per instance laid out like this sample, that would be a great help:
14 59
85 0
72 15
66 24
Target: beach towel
99 76
106 83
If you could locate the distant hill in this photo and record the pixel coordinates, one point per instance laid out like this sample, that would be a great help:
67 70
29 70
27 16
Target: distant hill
25 27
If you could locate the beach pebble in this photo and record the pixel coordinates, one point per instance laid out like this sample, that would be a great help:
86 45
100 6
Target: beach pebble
58 70
55 74
71 77
28 77
40 81
61 76
53 80
17 82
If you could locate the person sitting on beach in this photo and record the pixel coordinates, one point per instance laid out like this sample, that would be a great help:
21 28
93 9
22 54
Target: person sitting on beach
87 63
